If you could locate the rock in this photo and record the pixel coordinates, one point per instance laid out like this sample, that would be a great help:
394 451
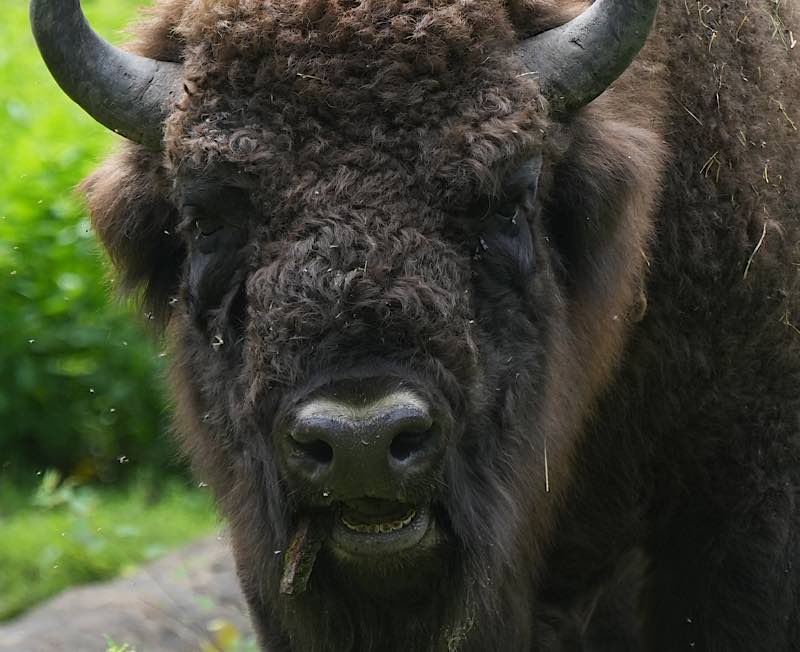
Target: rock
170 605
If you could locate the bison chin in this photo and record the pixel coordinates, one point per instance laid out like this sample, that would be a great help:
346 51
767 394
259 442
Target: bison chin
402 588
414 586
387 602
383 548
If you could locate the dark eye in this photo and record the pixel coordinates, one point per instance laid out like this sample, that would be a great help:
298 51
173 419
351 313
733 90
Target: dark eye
518 193
508 210
205 226
203 223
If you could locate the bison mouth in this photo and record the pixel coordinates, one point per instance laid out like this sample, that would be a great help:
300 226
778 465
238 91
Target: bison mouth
367 536
370 527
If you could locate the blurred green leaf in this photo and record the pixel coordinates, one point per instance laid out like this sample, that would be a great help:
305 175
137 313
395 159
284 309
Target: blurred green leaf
79 379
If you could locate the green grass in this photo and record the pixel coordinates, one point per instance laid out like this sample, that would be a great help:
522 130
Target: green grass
226 638
62 535
116 647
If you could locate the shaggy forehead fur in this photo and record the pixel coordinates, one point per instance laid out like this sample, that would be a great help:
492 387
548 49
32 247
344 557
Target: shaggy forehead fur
357 127
315 98
311 97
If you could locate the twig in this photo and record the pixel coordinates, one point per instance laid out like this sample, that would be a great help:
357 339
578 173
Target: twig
786 322
755 251
546 469
782 109
739 29
707 165
699 121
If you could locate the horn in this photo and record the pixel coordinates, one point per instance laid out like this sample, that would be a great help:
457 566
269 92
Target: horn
129 94
578 60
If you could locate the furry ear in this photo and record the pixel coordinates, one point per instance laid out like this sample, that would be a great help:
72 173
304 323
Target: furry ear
130 208
602 194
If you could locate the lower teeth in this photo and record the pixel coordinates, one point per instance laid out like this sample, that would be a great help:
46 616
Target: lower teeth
380 528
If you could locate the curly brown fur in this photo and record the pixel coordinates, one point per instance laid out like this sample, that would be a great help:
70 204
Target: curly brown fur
623 379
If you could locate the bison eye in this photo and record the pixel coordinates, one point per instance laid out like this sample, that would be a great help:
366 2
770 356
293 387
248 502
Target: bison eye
214 215
508 211
519 192
205 226
201 222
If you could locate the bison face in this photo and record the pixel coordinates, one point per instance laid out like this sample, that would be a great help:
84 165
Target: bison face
363 376
367 357
396 278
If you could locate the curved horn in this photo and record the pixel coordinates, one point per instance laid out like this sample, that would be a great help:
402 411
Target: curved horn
580 59
129 94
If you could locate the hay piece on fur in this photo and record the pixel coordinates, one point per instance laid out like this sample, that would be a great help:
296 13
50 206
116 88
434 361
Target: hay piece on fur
300 557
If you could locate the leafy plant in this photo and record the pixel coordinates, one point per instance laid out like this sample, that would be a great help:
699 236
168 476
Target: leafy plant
78 388
116 647
226 637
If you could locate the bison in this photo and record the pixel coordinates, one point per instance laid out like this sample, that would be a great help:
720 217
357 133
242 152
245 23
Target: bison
484 314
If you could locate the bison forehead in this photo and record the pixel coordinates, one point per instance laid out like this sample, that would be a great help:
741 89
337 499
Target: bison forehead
413 30
298 91
371 284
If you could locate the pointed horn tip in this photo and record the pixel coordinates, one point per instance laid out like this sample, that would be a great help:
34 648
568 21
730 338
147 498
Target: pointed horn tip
575 62
129 94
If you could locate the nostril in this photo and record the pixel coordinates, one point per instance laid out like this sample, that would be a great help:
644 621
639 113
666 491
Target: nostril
315 450
408 443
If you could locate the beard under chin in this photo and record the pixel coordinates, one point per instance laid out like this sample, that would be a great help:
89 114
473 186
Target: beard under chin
406 580
380 606
435 599
381 602
441 596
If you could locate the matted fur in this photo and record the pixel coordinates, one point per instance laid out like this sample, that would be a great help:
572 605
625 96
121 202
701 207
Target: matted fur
624 384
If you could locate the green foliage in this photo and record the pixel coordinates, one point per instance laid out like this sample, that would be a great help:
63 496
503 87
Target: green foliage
225 637
67 534
116 647
78 384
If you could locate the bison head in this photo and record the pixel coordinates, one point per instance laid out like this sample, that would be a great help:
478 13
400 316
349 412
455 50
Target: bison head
397 263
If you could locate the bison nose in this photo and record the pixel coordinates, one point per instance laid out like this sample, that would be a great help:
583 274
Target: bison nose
346 450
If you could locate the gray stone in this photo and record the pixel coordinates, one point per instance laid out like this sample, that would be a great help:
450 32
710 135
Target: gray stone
167 606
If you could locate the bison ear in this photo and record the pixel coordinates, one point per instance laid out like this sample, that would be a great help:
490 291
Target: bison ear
136 221
602 194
